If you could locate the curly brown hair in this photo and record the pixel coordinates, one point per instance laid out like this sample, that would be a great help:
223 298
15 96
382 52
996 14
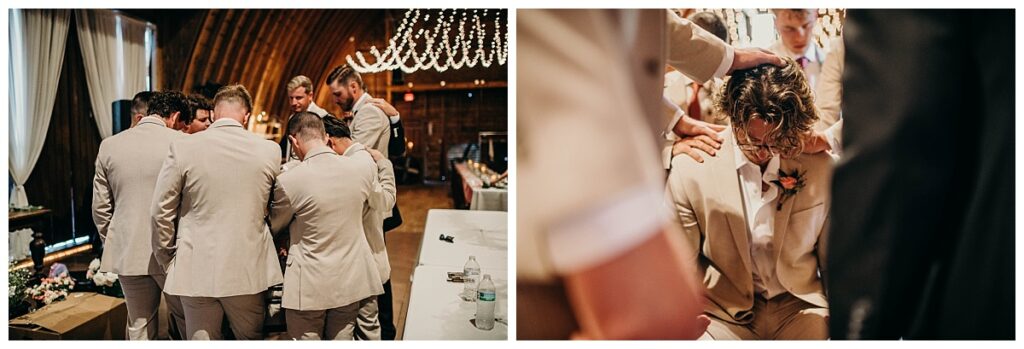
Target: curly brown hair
779 96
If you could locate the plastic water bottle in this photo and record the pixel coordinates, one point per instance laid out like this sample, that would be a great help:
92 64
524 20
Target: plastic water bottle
486 297
472 274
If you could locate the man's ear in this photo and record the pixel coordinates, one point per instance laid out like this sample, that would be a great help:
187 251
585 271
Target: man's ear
173 120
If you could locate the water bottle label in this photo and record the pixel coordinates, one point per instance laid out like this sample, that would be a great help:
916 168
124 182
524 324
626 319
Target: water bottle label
486 296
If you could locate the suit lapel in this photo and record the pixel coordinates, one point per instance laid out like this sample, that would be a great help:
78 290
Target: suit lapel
781 227
728 188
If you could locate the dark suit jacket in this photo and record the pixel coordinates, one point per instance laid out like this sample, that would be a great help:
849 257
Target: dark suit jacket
922 241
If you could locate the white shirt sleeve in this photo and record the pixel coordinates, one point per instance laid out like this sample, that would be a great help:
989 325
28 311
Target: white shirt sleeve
608 230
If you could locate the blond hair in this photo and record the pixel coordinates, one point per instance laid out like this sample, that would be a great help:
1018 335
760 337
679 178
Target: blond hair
234 93
300 81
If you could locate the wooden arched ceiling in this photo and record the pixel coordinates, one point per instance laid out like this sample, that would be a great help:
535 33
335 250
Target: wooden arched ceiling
264 48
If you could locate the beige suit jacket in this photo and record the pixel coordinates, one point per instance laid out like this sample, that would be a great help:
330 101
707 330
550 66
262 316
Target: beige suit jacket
127 166
707 198
370 126
209 213
589 113
374 210
329 260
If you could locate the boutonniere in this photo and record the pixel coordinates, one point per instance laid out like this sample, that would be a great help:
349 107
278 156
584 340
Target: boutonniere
790 183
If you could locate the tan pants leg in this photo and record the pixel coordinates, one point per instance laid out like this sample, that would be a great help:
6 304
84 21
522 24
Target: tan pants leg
245 313
305 325
142 297
795 319
341 321
366 320
177 313
722 330
203 317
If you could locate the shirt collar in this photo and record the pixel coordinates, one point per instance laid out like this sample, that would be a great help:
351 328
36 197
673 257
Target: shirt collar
320 149
222 122
811 52
771 172
152 119
352 149
362 100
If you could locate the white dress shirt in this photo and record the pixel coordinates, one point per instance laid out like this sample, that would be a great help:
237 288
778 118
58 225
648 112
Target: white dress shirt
760 210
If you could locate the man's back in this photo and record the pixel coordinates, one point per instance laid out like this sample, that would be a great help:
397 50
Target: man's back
224 248
373 220
328 252
127 167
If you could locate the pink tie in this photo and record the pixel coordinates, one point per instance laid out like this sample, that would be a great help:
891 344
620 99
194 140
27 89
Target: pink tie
694 108
803 62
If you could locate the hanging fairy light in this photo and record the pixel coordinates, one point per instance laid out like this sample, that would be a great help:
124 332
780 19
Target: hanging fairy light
447 43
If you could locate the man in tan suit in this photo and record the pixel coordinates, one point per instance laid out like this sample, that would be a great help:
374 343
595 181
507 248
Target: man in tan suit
209 210
755 216
331 272
127 167
379 205
370 126
586 77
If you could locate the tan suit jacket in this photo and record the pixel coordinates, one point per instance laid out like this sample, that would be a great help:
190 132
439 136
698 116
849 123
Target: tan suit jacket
127 166
329 260
209 213
707 198
374 210
370 126
589 107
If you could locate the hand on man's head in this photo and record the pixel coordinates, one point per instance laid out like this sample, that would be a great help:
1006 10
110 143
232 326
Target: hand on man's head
746 58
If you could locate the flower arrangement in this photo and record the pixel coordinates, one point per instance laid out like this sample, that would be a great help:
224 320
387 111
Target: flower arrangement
108 283
53 288
16 295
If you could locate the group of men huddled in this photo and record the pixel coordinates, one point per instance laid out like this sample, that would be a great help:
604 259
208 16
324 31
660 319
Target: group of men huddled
189 209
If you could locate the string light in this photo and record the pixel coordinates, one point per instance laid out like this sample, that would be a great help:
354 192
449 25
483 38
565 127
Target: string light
444 48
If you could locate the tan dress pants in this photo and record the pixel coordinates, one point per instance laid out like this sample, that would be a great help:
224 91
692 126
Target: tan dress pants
784 317
142 297
204 316
334 324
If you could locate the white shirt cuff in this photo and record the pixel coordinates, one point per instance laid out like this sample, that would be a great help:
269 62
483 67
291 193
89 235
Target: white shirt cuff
730 55
669 134
833 138
607 231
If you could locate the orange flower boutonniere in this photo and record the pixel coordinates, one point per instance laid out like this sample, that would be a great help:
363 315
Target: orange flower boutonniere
790 183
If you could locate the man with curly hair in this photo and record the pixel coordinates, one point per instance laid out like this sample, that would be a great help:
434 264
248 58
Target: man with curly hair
755 215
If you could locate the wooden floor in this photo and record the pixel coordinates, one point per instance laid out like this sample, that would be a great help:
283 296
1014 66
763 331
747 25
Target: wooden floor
404 242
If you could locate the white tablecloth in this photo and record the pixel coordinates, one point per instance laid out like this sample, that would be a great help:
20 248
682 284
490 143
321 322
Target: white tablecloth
480 198
437 312
483 234
489 199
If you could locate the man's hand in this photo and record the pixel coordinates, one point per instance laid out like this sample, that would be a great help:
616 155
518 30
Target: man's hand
747 58
815 142
696 135
388 109
377 155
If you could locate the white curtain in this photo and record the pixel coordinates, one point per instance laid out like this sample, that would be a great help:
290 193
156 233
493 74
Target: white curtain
37 42
117 62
